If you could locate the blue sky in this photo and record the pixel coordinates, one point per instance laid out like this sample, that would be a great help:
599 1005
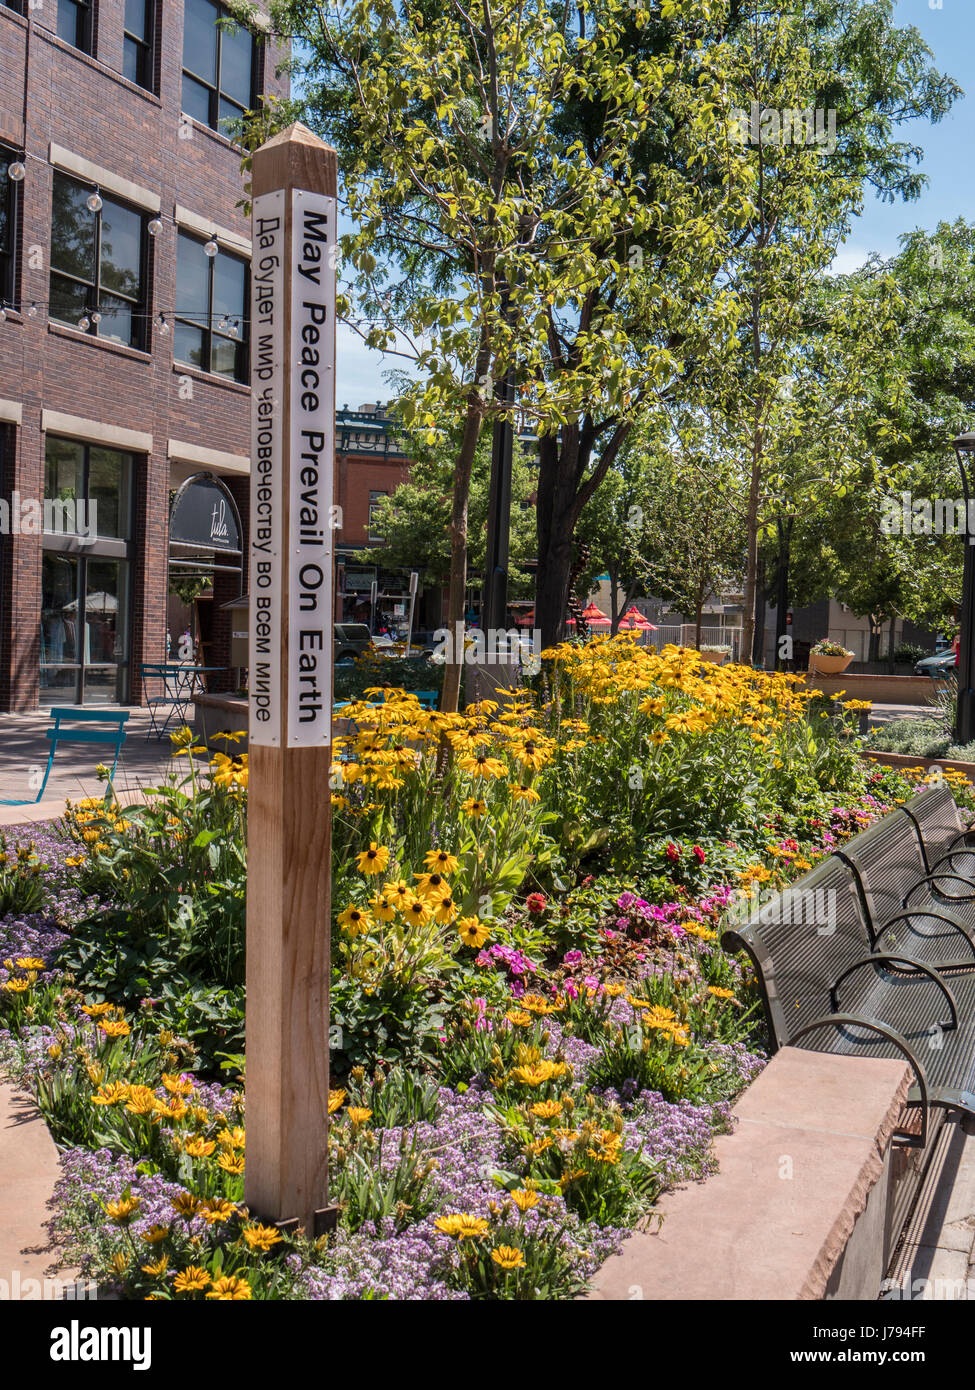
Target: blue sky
948 147
949 150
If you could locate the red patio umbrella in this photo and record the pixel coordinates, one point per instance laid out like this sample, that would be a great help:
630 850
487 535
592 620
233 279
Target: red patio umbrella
595 617
634 620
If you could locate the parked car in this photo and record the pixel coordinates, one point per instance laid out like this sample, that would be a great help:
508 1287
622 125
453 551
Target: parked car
351 640
937 666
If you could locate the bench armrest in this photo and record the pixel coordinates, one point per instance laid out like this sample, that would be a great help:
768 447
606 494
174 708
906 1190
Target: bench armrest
961 840
885 1031
882 958
949 858
926 912
928 881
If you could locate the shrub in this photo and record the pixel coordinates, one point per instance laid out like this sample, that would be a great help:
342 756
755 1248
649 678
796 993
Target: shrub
22 888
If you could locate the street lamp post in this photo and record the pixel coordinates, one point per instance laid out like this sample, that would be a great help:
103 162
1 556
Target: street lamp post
964 447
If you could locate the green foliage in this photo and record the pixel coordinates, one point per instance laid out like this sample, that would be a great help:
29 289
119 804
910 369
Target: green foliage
395 1097
22 887
375 670
367 1187
171 875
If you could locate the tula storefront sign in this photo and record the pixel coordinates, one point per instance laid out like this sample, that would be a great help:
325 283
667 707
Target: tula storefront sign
293 363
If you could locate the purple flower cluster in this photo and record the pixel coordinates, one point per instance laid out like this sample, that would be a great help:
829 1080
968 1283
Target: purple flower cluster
508 958
90 1178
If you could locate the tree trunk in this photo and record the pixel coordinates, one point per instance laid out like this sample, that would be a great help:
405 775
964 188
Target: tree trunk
615 612
457 591
555 520
751 562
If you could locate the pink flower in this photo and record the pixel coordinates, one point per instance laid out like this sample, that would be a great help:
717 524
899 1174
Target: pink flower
572 958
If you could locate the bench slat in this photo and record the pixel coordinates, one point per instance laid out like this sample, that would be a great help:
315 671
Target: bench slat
90 715
84 735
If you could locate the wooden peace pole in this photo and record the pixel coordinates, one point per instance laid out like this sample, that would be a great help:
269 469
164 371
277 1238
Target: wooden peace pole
292 329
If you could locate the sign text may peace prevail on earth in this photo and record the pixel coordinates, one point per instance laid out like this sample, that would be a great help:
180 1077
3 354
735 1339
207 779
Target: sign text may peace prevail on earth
310 259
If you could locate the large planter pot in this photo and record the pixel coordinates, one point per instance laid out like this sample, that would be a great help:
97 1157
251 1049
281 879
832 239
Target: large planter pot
716 657
828 665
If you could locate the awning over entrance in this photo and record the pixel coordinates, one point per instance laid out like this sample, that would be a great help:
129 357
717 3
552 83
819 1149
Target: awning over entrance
204 527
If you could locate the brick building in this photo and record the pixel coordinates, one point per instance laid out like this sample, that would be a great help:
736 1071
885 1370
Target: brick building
123 330
371 460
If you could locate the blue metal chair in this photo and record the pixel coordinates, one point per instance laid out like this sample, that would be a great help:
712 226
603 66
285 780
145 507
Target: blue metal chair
114 735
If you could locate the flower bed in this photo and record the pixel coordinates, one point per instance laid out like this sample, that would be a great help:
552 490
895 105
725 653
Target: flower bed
536 1029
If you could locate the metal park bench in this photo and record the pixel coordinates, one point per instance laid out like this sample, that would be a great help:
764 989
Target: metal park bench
823 988
944 840
908 905
65 731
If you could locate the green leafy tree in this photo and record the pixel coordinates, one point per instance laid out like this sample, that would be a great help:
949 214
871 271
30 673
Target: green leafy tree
495 163
414 521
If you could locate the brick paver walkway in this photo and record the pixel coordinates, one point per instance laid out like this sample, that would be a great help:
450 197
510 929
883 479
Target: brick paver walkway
24 749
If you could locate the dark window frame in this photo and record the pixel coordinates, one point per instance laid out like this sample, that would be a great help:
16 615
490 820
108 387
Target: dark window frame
84 25
8 254
215 94
120 549
18 6
375 496
146 48
139 337
204 321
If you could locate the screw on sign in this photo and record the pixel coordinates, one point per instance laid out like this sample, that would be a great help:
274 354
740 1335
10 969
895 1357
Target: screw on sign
291 566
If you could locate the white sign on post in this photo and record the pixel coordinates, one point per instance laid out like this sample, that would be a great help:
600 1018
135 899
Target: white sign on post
267 434
312 401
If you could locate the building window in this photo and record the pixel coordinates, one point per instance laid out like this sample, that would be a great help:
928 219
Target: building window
74 23
137 39
8 228
375 499
211 299
219 66
85 588
16 5
97 264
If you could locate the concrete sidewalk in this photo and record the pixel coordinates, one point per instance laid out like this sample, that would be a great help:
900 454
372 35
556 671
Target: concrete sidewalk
24 751
936 1259
28 1172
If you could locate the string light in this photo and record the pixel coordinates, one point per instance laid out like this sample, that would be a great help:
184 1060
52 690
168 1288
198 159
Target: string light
163 325
96 316
84 323
3 314
154 226
94 201
210 248
16 171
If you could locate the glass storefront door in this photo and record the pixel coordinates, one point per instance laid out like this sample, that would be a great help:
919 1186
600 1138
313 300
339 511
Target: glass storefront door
84 630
